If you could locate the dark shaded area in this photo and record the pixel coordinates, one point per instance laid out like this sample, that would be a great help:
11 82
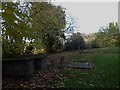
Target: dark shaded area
50 78
23 67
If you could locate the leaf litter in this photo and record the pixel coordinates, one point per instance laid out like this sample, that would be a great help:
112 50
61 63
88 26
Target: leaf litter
51 78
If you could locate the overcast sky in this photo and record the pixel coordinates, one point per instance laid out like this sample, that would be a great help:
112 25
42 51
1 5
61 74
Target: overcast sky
90 16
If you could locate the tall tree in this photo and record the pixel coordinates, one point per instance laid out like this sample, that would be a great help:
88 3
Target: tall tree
48 22
40 23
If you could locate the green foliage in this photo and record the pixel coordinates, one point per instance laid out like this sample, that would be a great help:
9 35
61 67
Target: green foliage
108 36
29 49
94 44
48 22
11 49
40 23
15 27
74 42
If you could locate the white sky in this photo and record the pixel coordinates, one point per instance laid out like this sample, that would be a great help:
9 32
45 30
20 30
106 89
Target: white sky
91 15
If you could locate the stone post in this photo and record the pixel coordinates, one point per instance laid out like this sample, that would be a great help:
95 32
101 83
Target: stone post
62 60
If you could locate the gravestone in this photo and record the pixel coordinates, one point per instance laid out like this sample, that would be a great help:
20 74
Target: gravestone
62 60
40 62
80 48
81 65
78 65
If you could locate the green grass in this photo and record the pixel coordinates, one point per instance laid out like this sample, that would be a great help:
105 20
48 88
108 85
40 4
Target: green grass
104 74
104 50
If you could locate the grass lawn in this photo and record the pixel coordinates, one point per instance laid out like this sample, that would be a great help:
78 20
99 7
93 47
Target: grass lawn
104 74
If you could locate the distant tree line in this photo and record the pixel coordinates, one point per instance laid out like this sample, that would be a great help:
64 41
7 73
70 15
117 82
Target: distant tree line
109 36
74 42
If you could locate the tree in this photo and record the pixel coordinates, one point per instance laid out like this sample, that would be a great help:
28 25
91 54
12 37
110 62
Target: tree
74 42
15 21
48 22
15 27
108 36
42 24
94 44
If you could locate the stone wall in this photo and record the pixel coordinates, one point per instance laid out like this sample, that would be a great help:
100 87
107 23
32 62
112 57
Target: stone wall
23 67
40 64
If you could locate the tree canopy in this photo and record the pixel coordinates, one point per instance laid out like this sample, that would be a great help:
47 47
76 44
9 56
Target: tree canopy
15 28
74 42
109 36
48 22
42 24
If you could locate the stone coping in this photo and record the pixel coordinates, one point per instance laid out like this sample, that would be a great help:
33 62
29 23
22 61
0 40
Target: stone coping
25 58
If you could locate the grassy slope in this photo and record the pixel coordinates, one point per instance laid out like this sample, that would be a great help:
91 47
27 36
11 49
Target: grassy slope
103 74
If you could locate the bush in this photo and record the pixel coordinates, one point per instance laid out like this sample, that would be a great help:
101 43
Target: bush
13 49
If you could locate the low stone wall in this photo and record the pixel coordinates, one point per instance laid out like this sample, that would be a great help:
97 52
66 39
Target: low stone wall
18 67
40 64
23 67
